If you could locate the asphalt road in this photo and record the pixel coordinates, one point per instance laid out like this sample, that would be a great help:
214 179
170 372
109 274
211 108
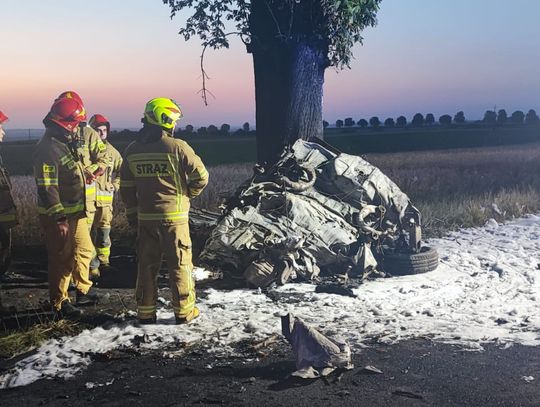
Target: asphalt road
414 373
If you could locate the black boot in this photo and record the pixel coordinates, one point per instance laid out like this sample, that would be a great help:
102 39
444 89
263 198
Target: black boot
68 311
186 320
147 321
107 269
90 298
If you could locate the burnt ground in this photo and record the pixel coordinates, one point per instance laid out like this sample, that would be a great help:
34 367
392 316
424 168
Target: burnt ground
24 289
417 372
414 373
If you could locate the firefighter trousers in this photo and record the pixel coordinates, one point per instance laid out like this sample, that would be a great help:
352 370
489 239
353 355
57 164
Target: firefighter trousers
65 258
173 242
101 235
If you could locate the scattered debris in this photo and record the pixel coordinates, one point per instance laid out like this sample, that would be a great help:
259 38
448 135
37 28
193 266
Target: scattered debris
528 379
496 209
163 301
335 289
491 224
316 354
408 394
209 400
92 385
371 370
137 340
266 342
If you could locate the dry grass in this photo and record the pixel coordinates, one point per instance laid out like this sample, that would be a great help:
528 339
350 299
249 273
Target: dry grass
452 188
20 341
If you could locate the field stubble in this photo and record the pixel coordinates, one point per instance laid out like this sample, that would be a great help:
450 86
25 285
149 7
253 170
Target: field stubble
452 188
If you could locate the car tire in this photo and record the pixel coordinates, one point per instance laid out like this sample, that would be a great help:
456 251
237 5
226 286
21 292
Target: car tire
402 264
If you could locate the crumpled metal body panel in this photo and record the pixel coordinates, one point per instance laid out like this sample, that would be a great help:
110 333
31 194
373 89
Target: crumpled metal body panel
273 206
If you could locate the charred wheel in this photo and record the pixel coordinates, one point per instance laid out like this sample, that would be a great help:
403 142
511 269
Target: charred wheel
401 264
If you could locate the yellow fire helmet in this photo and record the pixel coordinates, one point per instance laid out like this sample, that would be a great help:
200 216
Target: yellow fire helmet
163 112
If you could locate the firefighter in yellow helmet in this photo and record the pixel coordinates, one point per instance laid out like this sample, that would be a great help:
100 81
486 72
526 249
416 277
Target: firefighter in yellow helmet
107 184
8 213
159 176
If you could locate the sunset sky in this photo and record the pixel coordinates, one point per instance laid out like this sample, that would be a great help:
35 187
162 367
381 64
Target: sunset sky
437 56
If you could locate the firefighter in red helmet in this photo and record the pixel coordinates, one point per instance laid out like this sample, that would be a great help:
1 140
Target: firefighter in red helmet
63 176
8 213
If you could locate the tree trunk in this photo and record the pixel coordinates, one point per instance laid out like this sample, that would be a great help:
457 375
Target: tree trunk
289 77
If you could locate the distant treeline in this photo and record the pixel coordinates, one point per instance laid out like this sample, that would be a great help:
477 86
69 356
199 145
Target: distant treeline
190 132
491 118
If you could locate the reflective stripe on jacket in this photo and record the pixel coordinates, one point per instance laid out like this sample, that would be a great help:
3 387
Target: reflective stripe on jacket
159 177
109 182
92 153
8 211
60 179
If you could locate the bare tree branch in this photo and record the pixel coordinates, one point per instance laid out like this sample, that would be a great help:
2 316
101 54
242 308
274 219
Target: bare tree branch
204 91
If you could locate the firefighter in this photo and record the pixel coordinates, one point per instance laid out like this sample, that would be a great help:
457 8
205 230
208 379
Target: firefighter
91 152
159 176
61 179
107 185
8 213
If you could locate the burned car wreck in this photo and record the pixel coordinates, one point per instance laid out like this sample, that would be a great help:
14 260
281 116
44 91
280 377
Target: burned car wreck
317 212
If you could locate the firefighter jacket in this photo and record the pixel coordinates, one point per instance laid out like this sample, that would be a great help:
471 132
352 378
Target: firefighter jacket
8 211
159 175
91 152
60 178
109 182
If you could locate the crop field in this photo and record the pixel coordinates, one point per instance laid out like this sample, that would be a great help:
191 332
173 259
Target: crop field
452 188
231 149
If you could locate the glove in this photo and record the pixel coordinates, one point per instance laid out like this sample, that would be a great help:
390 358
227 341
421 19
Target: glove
62 229
132 220
91 176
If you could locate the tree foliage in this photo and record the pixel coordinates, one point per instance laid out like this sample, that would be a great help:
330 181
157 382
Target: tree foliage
374 122
517 117
430 119
502 117
338 24
339 123
401 121
490 117
445 120
532 117
418 120
362 123
389 122
225 128
349 122
459 118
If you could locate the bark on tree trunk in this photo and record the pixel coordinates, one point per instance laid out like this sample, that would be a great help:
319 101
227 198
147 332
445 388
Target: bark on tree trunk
288 97
289 77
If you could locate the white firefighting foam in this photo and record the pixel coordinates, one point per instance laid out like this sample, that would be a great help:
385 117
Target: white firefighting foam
486 289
